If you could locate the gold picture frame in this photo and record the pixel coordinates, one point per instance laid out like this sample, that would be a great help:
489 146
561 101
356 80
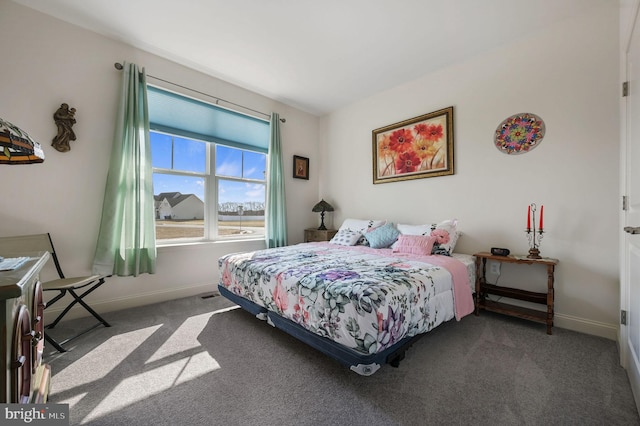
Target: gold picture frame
417 148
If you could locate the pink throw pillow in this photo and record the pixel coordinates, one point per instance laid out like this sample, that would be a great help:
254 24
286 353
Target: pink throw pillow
415 244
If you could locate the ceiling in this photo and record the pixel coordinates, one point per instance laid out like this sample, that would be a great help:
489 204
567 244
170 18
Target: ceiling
315 55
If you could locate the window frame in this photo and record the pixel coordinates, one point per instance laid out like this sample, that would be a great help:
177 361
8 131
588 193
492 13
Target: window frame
211 183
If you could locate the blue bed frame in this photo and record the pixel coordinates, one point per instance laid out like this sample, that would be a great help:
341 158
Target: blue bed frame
363 364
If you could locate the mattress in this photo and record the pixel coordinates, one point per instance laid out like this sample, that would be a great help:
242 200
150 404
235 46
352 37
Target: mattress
469 261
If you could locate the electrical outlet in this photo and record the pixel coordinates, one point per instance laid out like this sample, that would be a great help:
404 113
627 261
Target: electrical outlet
494 268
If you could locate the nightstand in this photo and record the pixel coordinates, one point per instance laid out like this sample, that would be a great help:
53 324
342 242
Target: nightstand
314 235
483 289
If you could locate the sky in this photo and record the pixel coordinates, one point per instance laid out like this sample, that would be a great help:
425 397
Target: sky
190 155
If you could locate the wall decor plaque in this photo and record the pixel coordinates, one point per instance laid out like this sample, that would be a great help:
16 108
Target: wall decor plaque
519 133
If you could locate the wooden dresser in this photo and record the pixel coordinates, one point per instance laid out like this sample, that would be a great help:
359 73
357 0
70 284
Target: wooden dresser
25 377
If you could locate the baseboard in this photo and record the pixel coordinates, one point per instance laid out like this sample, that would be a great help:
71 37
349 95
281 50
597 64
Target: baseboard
132 301
583 325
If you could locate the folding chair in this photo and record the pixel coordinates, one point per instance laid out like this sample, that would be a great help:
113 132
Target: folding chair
63 285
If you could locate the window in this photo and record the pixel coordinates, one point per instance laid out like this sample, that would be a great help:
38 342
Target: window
206 186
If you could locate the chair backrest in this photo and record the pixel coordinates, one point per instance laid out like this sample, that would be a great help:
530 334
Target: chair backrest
24 244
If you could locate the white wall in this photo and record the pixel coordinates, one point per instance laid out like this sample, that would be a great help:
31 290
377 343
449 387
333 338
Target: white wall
47 62
567 74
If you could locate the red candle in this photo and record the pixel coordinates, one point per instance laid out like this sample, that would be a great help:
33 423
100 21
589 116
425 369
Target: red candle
529 217
541 216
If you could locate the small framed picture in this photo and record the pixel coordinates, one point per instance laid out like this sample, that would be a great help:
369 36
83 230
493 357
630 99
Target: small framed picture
300 167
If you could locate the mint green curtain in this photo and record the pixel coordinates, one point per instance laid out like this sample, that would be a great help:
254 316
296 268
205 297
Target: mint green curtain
276 209
126 241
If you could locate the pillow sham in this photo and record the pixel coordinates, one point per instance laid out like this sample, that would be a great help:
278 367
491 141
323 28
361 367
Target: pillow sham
415 244
382 236
346 237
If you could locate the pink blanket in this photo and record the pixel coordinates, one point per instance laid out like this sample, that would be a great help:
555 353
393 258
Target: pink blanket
462 297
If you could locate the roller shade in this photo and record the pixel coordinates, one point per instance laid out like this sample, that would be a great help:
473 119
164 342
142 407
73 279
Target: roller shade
180 115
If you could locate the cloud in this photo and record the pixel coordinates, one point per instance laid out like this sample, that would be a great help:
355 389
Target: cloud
229 169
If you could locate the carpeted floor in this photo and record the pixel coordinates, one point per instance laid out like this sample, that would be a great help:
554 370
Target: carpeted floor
198 361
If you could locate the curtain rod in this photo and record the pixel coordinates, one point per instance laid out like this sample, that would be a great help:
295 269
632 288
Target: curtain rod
119 67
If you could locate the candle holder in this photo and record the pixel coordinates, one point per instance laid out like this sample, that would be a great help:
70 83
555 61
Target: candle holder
534 242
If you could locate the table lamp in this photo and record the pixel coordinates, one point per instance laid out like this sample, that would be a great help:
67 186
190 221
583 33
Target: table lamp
322 207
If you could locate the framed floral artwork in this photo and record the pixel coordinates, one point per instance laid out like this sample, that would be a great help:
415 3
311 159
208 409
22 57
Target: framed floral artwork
300 167
417 148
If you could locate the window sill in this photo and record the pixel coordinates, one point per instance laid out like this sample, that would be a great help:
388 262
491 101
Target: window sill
206 243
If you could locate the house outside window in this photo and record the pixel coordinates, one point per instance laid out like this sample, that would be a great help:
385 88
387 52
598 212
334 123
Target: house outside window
209 170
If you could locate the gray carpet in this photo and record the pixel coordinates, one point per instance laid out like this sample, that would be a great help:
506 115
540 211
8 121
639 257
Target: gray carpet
198 361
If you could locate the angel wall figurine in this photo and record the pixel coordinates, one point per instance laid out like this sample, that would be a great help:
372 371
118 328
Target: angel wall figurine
64 118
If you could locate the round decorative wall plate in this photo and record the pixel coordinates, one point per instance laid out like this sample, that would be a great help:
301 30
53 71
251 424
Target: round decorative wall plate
519 133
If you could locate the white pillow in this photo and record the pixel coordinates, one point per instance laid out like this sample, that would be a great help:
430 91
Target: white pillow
360 225
414 229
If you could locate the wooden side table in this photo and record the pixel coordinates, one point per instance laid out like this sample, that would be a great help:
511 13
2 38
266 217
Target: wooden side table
483 289
314 235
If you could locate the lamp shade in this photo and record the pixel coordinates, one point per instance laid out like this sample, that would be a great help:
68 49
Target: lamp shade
16 147
322 206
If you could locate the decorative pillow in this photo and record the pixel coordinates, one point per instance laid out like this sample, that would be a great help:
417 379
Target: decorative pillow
446 237
446 234
383 236
361 226
413 230
415 244
346 237
362 241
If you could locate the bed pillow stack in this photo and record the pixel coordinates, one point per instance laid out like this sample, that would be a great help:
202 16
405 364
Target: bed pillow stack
380 234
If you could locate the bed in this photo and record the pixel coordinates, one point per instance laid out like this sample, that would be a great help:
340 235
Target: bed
363 305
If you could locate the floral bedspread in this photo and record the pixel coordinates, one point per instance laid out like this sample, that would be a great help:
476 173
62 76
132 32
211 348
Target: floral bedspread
365 299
